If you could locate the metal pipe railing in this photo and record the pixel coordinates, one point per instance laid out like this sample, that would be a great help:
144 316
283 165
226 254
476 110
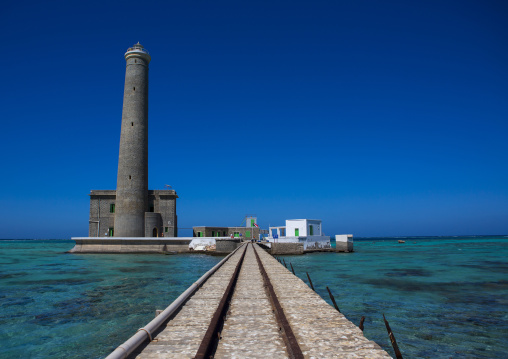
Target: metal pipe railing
145 333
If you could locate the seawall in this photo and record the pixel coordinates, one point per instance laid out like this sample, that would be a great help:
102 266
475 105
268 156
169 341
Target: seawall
130 245
181 245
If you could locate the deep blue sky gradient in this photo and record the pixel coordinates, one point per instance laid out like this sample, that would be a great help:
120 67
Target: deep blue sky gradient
382 118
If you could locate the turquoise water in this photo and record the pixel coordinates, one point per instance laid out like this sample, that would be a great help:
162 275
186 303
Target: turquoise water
56 305
443 297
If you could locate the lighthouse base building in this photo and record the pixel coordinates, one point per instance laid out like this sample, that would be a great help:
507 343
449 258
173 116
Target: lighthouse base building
160 220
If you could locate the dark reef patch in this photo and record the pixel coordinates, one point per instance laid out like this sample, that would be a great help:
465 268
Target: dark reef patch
13 275
409 272
151 262
481 293
134 269
63 281
15 301
489 266
51 265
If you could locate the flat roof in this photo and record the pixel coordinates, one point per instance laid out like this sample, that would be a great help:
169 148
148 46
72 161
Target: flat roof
303 219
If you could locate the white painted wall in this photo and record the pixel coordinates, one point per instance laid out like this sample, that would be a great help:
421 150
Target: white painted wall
316 224
292 224
303 226
344 238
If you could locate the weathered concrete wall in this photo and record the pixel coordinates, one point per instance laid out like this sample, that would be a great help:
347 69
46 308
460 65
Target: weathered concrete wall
309 242
344 246
317 243
201 241
129 245
226 245
287 248
344 242
205 231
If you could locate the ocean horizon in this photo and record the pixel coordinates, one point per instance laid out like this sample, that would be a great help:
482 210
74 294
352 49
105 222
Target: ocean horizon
444 296
332 237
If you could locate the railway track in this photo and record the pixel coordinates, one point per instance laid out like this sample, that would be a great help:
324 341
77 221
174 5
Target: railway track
238 313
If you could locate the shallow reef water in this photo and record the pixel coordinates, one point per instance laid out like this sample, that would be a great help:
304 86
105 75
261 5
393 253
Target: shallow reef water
444 297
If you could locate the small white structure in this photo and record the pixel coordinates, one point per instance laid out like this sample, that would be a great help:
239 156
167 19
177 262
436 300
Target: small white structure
306 231
303 227
344 242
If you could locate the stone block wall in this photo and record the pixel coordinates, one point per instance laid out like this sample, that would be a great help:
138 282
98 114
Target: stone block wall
101 213
287 248
132 178
226 245
153 223
164 202
226 232
254 232
210 231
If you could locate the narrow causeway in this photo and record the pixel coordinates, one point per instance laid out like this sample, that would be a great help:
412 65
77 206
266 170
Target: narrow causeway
252 307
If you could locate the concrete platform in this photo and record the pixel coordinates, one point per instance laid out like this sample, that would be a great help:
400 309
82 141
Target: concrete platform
130 245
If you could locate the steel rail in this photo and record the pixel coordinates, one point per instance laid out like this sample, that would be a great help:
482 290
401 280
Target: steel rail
288 336
209 343
146 333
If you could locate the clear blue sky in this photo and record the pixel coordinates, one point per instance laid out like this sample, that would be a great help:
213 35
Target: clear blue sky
382 118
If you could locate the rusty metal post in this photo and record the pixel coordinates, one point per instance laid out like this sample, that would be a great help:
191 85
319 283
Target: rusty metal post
361 323
310 281
333 299
292 268
398 355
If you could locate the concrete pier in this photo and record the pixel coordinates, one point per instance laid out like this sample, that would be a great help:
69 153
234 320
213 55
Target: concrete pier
252 324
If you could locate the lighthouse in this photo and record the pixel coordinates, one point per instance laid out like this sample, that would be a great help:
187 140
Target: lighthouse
132 178
132 210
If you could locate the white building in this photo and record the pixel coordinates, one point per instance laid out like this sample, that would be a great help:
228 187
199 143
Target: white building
306 231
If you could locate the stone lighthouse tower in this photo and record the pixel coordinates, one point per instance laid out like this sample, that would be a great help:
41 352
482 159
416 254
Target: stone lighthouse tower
132 180
132 210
